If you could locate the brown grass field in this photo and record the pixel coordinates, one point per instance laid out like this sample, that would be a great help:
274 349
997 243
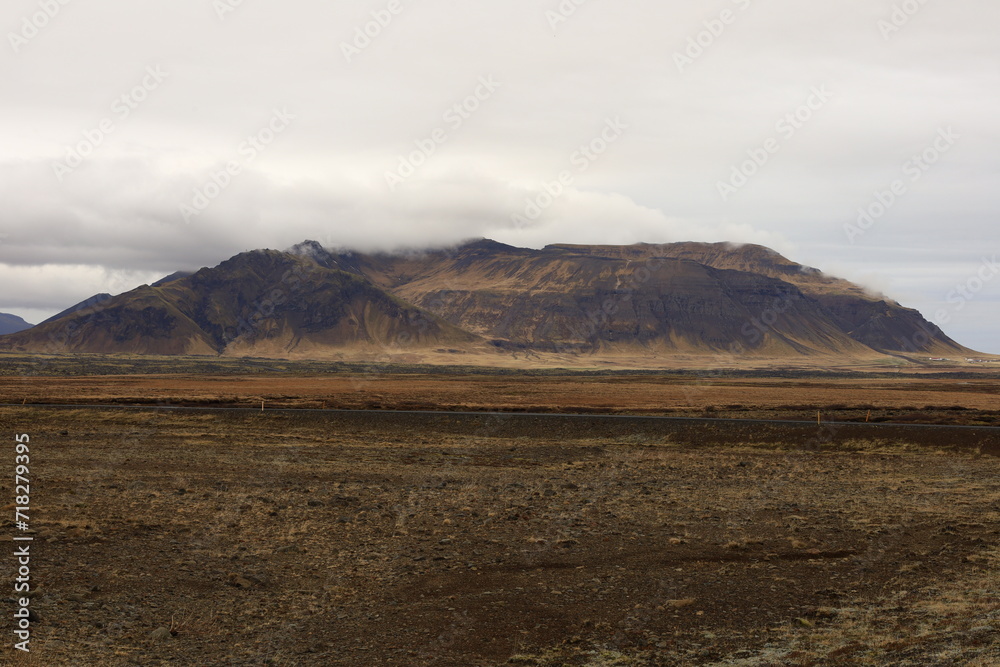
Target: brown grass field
913 399
308 538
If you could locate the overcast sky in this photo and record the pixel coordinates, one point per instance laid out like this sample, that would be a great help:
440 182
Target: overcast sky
766 121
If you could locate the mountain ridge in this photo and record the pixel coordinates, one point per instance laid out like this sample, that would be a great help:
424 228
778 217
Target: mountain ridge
482 297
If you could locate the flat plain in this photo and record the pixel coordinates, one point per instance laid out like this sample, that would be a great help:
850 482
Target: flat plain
305 537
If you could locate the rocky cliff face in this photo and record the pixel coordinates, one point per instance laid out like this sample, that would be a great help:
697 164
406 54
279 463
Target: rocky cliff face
633 301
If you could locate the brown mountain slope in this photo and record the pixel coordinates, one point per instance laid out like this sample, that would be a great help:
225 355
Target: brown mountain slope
875 321
592 299
615 302
90 303
263 303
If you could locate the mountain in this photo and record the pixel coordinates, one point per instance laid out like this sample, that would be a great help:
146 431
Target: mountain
264 303
629 303
12 324
873 320
680 297
92 302
177 275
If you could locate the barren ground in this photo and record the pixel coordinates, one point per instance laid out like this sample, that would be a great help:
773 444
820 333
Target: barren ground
296 539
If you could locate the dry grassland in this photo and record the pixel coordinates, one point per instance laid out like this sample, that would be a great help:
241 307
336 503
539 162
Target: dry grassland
285 539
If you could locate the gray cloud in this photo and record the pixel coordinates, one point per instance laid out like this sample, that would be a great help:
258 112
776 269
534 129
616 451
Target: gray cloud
116 217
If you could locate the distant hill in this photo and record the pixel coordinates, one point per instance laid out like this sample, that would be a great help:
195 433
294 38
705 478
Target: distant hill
92 302
12 324
483 297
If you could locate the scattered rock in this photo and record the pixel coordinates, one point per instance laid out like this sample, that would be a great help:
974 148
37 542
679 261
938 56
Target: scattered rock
680 604
830 593
244 581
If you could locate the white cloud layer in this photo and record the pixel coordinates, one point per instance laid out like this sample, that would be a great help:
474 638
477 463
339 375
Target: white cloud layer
163 96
